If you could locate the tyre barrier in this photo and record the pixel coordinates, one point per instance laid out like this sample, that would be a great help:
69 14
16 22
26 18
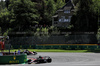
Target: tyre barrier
70 47
58 46
13 59
22 46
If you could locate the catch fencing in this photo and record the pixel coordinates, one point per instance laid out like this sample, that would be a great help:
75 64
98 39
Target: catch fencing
55 42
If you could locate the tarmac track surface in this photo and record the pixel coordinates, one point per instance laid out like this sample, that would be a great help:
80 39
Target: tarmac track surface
66 59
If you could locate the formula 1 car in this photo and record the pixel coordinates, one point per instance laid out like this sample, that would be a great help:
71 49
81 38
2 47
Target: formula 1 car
40 59
30 53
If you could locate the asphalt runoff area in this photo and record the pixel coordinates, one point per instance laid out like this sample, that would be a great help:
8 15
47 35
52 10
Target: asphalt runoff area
66 59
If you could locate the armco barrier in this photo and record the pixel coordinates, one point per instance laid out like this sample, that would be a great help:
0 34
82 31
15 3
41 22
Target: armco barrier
13 59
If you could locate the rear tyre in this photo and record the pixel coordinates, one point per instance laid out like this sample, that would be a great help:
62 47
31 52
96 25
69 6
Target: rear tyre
49 60
35 53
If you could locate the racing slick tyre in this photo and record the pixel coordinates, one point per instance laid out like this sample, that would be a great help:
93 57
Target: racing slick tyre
49 60
35 53
29 61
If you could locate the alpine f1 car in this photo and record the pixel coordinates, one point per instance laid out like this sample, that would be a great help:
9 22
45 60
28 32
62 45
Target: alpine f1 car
40 59
30 53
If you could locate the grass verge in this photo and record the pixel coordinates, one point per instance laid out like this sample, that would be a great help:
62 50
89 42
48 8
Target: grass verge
52 50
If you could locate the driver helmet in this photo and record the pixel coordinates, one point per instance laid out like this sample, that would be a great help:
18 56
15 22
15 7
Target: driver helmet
33 51
40 57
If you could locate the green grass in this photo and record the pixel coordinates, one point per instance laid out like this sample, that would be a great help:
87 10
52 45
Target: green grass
52 50
56 50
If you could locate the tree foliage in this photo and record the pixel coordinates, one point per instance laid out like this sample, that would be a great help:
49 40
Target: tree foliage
41 7
85 19
23 14
51 9
60 3
46 9
4 17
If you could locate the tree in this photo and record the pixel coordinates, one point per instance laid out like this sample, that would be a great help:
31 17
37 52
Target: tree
42 10
60 3
4 20
86 17
85 20
23 13
51 9
75 2
2 5
7 3
46 9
